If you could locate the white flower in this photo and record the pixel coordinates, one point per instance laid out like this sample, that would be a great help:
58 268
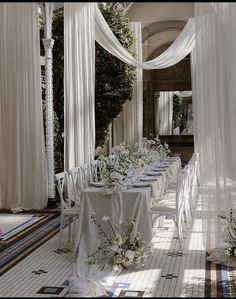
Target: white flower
141 163
117 268
114 248
118 239
120 168
117 260
129 254
93 216
114 175
105 218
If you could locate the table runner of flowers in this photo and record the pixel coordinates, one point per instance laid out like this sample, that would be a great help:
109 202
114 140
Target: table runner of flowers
126 167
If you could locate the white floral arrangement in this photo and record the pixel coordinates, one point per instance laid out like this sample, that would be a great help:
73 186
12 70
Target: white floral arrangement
120 171
156 147
141 157
151 151
124 168
121 250
164 150
229 235
99 153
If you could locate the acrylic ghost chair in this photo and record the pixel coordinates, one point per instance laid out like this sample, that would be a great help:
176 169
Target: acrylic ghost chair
69 207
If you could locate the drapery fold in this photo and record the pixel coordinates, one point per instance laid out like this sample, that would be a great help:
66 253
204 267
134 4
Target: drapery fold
180 48
214 92
164 113
79 83
128 126
23 168
83 23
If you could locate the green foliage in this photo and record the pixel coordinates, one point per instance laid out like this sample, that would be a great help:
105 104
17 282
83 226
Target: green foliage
114 78
58 85
177 102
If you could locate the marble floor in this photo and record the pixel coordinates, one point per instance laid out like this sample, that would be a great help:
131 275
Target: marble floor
45 271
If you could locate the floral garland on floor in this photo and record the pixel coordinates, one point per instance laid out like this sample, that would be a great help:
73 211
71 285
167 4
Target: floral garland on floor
121 250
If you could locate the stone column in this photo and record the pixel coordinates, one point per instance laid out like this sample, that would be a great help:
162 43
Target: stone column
48 42
48 45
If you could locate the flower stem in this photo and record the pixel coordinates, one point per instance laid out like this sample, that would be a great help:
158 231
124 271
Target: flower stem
111 228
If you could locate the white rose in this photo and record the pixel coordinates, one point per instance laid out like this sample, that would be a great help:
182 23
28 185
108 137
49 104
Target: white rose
114 248
113 175
118 239
129 254
120 168
105 218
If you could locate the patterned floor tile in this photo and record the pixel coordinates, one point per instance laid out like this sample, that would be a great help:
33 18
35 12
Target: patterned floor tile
45 271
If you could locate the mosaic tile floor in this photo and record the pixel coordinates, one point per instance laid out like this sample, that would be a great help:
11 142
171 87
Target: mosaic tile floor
45 271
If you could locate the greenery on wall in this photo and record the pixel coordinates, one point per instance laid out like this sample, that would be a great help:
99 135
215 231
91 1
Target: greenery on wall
114 78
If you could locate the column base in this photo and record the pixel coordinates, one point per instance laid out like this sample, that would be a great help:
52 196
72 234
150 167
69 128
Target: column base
52 203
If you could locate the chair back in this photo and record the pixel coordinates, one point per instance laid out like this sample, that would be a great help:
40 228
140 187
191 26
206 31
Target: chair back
96 170
64 187
189 202
180 190
86 175
77 181
81 178
189 169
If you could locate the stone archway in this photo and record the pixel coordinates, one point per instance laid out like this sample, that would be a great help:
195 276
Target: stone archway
177 77
161 26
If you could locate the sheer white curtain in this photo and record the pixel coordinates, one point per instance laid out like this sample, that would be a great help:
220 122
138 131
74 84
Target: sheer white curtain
180 48
215 73
128 126
164 113
80 20
79 73
23 169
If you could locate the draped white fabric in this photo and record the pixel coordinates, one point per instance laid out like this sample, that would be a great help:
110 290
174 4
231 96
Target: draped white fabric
184 94
79 73
215 98
164 113
23 169
128 126
194 98
180 48
80 19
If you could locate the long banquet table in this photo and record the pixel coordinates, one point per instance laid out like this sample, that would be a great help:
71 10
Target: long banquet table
119 204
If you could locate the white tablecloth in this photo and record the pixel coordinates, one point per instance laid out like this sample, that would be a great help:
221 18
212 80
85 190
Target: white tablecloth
119 206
